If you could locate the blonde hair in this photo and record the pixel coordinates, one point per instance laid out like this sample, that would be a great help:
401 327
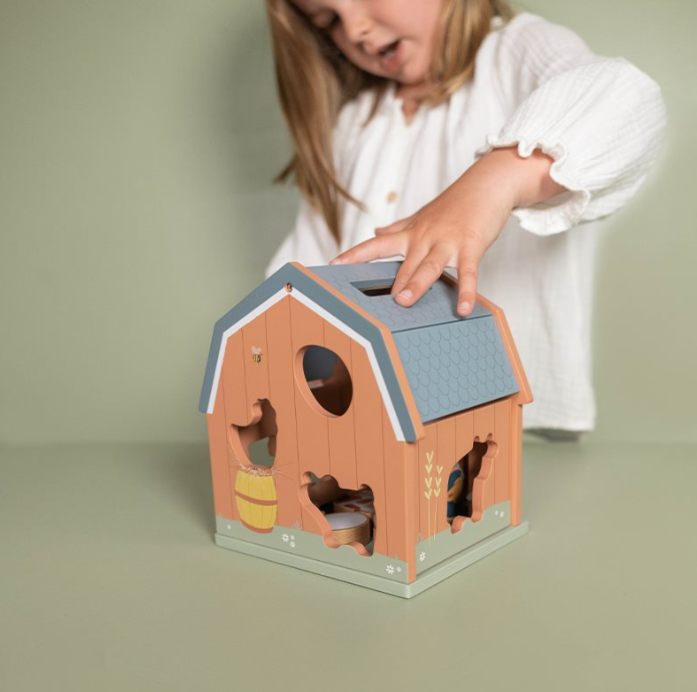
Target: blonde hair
315 80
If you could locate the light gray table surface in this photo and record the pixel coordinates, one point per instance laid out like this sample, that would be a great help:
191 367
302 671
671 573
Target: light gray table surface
109 580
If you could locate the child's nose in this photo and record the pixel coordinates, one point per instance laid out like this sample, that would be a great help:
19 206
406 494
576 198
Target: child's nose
357 25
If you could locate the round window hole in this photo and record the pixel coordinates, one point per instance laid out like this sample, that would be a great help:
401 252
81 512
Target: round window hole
328 380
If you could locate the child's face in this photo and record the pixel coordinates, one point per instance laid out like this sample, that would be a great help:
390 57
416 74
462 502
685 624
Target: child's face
388 38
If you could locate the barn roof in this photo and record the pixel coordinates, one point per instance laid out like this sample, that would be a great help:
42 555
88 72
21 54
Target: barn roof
450 363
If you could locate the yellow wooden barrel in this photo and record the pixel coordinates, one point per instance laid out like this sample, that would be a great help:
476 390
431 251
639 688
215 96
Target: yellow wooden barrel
255 493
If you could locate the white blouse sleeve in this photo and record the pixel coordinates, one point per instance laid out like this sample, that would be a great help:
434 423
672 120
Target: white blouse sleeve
600 119
309 243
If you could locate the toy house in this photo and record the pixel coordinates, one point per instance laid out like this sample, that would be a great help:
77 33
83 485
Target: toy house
361 440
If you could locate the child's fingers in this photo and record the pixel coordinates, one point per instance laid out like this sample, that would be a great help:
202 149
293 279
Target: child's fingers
394 227
413 258
425 275
467 270
379 247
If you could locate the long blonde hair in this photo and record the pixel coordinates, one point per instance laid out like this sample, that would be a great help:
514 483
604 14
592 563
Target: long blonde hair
315 80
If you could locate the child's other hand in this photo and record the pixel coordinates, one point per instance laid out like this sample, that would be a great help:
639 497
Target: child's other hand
458 226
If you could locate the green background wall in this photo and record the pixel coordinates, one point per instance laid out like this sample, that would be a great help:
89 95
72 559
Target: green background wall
137 142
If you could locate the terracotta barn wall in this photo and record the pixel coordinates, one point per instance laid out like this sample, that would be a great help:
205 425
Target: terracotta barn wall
358 448
282 398
516 453
447 441
220 462
245 383
342 429
233 383
307 328
353 447
398 461
368 411
256 374
503 421
234 386
433 478
483 493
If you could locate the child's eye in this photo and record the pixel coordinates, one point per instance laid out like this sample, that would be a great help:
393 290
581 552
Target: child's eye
330 22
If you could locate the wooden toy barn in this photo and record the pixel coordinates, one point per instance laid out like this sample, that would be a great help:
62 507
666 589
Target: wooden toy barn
365 441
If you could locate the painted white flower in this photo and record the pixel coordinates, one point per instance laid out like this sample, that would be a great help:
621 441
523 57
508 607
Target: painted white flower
285 538
389 569
422 557
292 538
292 544
399 569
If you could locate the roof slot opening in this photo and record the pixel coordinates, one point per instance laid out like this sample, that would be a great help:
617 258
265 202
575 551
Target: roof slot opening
374 291
374 288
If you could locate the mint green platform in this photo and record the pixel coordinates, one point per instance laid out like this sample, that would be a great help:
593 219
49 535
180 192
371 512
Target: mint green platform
424 581
437 558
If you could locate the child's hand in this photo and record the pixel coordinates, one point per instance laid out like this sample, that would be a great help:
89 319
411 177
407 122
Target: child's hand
458 226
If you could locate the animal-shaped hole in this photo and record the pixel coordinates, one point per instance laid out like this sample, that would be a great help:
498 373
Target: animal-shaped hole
255 444
347 516
461 481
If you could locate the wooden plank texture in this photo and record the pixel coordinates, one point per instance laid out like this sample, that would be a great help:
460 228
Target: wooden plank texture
307 329
396 488
484 422
444 463
516 453
282 398
341 429
220 464
427 459
256 369
237 409
502 413
368 407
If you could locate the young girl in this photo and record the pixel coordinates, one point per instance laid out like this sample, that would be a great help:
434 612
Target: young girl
453 134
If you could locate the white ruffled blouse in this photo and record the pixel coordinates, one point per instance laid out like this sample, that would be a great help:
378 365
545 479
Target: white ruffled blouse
536 85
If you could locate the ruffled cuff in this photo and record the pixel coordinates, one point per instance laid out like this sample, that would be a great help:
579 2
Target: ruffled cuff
601 121
559 213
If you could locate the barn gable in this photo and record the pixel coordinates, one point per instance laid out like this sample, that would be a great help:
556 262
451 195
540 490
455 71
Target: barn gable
450 363
348 317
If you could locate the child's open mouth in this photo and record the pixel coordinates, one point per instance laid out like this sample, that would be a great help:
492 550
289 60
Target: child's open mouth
390 55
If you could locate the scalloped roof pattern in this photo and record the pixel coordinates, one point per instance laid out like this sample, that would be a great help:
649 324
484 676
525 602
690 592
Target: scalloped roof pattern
456 366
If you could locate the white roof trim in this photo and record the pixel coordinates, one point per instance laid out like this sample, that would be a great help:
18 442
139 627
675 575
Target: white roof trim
324 314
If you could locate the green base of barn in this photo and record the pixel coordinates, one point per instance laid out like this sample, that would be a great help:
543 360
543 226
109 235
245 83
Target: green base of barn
393 583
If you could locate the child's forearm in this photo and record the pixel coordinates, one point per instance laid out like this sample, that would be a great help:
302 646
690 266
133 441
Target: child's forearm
514 180
458 226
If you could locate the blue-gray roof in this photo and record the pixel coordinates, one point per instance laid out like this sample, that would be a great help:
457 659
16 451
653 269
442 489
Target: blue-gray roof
451 363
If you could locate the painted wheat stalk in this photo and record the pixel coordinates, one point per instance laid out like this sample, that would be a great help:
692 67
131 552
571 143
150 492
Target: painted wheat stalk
433 483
